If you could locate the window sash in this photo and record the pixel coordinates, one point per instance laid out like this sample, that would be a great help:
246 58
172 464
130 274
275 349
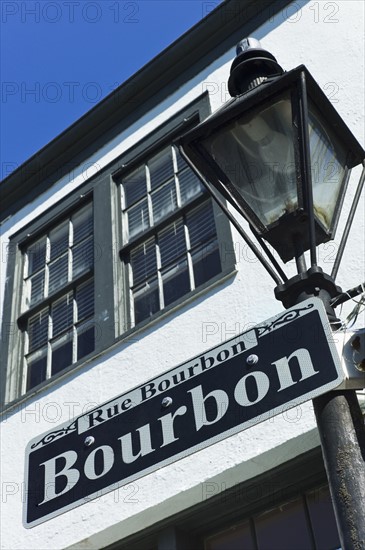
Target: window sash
156 190
58 257
54 333
174 260
58 297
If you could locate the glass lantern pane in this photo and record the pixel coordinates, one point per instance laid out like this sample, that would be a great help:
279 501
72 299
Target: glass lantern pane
328 161
256 152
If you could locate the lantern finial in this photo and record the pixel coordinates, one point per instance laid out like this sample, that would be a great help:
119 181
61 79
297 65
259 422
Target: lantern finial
247 44
252 66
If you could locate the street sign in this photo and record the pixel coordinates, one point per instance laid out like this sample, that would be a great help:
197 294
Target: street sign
274 366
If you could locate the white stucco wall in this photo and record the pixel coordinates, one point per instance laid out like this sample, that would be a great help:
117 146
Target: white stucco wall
328 38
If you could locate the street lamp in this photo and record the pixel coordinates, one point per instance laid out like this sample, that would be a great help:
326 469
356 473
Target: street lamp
281 155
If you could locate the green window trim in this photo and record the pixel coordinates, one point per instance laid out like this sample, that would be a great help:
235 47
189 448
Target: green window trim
114 304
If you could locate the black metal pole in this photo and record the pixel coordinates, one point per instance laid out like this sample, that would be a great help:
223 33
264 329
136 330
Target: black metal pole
341 429
342 433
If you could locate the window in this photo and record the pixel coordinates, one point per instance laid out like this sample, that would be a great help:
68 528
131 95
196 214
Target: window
303 523
58 298
169 231
135 239
288 506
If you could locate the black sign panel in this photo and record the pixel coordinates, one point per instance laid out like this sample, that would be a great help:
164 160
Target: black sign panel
274 366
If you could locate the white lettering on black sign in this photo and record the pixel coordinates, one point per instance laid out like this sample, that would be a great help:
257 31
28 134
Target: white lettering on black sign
211 397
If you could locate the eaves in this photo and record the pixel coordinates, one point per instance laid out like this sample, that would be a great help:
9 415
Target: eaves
231 21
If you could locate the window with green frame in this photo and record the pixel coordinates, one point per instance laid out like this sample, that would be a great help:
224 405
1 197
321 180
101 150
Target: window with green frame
169 233
58 298
71 293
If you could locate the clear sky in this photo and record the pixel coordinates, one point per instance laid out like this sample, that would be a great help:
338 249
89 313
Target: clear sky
61 57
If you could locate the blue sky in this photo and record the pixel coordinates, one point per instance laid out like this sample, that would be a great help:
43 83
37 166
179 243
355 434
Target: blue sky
61 57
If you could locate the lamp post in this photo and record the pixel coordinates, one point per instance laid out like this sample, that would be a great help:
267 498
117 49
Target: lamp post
281 155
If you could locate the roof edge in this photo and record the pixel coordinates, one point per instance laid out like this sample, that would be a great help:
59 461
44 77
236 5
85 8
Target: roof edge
154 81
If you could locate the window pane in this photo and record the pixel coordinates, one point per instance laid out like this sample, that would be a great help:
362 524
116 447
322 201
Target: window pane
143 261
134 186
61 353
164 201
161 168
37 368
181 164
62 314
138 219
190 185
201 225
287 526
323 519
59 240
172 242
36 256
237 538
85 339
82 223
146 301
82 257
58 273
85 301
175 282
206 263
38 330
36 287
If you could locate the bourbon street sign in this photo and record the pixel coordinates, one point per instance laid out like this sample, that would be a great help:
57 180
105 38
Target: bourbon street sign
262 372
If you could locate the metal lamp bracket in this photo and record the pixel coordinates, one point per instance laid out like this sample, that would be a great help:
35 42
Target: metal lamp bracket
313 282
351 349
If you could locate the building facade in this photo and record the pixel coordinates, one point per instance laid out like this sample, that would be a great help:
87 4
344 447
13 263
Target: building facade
117 267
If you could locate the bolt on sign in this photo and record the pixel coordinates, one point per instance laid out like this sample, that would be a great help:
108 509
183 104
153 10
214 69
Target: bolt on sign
276 365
